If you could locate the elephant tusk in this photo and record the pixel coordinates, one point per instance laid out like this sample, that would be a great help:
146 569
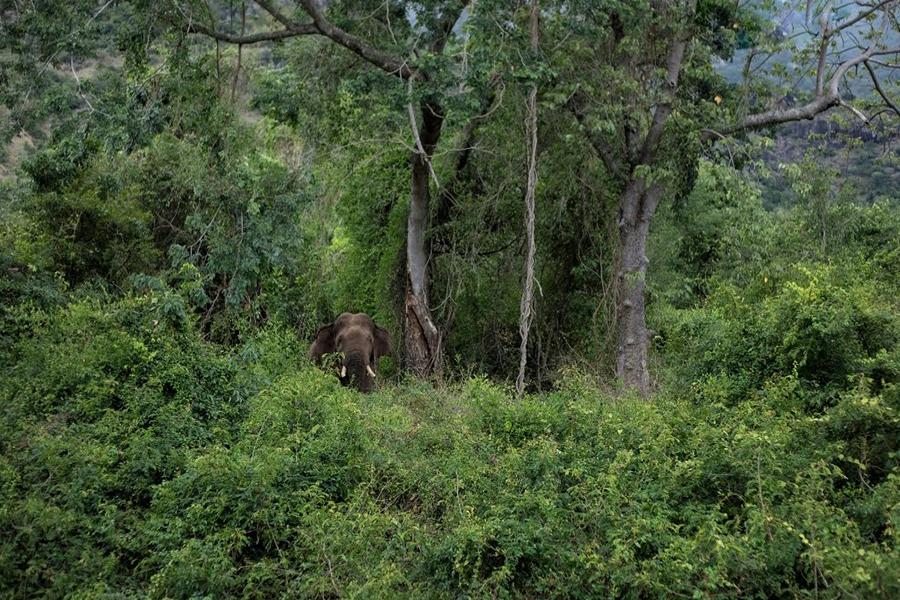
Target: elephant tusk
343 371
371 372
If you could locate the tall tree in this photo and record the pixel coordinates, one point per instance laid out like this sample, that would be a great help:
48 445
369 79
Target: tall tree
647 97
412 61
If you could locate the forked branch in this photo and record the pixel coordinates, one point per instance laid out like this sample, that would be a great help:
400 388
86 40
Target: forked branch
382 60
827 96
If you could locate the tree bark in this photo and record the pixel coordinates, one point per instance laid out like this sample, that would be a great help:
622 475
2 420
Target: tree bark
638 205
422 340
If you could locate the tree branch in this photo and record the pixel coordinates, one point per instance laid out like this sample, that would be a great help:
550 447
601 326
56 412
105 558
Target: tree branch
268 36
879 89
382 60
820 69
859 17
320 26
856 112
279 16
420 149
447 27
604 152
828 98
777 116
664 108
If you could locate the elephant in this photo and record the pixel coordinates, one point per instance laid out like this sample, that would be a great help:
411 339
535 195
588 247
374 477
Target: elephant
360 341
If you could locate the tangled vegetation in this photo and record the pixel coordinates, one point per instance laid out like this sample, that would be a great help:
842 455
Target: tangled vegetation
139 460
191 213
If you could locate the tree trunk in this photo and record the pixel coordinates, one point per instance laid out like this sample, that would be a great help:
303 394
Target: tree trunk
421 336
637 207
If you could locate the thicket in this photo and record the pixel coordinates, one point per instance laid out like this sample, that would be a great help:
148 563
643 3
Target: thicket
162 269
138 460
140 456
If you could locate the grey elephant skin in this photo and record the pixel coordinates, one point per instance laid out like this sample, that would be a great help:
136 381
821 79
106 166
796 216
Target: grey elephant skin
360 342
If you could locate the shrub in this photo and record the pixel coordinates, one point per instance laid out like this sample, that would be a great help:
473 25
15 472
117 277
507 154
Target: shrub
137 460
826 330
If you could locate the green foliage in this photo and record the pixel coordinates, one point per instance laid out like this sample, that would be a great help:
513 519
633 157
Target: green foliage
823 331
136 466
806 292
695 238
230 220
108 400
85 224
364 260
166 254
234 220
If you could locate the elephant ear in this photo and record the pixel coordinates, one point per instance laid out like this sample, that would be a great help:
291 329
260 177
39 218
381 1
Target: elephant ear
324 343
382 342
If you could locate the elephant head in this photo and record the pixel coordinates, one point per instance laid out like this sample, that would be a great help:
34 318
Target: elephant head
360 341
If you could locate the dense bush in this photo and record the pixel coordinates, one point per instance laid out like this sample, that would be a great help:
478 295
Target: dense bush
139 461
230 220
827 332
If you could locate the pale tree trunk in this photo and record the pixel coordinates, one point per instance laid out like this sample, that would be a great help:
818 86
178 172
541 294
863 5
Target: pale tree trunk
527 304
638 205
422 340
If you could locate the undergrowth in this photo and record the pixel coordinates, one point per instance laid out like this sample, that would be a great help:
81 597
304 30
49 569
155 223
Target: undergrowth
139 461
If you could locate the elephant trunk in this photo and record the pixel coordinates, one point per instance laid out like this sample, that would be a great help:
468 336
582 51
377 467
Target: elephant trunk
357 374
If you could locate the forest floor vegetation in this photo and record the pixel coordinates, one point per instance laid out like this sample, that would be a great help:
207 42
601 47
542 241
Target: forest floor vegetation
139 461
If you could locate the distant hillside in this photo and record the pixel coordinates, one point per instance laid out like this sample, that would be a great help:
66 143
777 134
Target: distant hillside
873 167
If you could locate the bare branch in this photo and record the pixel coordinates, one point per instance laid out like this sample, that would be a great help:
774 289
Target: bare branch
779 115
97 14
860 16
856 112
885 52
268 36
881 63
278 15
849 64
879 89
820 69
78 84
824 99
